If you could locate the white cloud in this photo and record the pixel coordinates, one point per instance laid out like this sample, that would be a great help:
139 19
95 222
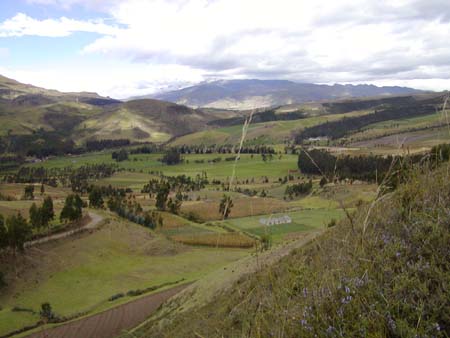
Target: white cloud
326 41
302 40
123 82
21 24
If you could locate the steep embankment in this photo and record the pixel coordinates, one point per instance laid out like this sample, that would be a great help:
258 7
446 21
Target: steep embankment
383 272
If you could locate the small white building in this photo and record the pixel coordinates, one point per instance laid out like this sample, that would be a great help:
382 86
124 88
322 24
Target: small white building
276 220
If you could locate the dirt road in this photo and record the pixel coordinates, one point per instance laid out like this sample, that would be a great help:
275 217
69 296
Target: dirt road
112 322
95 220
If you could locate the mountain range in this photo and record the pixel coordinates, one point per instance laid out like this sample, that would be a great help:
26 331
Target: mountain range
248 94
80 117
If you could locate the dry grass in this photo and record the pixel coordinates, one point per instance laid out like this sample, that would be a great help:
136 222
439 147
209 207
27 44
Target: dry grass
250 206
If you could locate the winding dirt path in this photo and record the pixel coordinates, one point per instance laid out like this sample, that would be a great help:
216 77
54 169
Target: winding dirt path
110 323
93 223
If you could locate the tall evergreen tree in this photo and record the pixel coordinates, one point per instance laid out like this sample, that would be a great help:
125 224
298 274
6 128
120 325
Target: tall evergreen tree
161 197
47 211
35 216
73 208
18 231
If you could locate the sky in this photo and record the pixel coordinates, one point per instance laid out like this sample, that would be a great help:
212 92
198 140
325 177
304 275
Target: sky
123 48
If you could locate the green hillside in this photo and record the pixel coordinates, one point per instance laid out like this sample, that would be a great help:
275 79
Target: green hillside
384 272
25 109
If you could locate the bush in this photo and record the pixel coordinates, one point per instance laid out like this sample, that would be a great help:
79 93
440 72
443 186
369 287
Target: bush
192 216
47 312
116 296
332 223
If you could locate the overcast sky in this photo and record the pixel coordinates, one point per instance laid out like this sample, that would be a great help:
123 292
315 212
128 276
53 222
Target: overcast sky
122 48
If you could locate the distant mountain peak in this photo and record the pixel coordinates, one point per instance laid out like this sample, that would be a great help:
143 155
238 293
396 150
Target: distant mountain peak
255 93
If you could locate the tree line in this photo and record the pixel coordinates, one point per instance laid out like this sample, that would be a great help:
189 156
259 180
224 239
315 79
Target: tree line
265 116
370 168
224 149
75 178
15 230
124 206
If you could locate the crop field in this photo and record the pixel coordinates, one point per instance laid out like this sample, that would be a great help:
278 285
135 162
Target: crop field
243 206
79 274
302 221
16 191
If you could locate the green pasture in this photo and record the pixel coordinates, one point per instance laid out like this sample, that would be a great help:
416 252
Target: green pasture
247 167
302 221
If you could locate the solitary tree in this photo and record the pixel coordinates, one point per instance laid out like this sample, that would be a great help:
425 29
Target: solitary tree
225 206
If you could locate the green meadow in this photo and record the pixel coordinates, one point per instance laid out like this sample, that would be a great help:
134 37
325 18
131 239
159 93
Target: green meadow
302 221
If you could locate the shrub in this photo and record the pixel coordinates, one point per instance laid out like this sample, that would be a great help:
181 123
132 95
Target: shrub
116 296
46 312
332 223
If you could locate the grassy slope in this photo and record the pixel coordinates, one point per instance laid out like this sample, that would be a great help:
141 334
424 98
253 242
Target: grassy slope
25 108
267 133
80 274
25 119
390 278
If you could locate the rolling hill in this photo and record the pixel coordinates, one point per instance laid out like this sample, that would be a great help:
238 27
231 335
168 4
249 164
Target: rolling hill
248 94
25 109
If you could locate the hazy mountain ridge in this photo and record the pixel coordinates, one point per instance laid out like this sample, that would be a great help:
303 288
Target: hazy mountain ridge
247 94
